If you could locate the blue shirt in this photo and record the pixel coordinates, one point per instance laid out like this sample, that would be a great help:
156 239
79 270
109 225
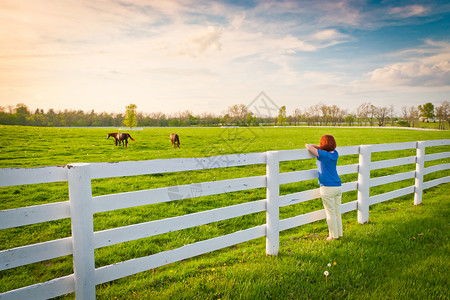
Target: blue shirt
326 163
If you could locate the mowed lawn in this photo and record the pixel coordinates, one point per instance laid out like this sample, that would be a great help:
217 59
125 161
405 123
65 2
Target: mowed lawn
401 253
42 146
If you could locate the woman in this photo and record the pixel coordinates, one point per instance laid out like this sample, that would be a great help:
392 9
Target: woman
330 183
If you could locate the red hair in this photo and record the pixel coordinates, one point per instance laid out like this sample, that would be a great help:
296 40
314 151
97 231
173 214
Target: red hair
327 143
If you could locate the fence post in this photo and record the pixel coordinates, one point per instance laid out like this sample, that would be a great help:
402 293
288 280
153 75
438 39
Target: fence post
80 194
273 194
364 183
420 166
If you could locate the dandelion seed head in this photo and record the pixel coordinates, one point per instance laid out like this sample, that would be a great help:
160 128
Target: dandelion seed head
326 273
329 265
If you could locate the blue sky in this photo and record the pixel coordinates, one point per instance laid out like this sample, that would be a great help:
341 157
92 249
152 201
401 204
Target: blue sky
204 56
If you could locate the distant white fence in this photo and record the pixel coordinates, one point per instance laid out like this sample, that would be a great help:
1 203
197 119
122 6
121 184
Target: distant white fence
82 205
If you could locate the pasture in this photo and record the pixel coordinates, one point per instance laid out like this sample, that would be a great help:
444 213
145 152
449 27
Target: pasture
242 271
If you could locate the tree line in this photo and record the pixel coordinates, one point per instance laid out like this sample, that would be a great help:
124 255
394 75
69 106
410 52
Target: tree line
319 114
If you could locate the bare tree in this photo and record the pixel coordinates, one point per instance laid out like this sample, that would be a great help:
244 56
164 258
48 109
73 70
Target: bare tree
371 113
381 114
405 114
341 115
308 115
238 113
316 113
325 114
335 114
312 114
443 114
362 113
410 115
392 114
414 115
297 115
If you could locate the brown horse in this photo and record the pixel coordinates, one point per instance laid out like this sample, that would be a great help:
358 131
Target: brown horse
175 140
120 138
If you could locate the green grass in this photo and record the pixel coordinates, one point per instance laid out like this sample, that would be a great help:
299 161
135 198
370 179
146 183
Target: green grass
372 260
401 254
42 146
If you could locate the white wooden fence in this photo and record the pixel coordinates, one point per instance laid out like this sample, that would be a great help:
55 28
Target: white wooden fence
82 205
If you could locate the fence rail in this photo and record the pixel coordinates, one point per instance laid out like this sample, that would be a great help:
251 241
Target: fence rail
82 205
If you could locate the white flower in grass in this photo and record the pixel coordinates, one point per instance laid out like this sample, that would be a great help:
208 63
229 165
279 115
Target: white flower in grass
326 273
329 265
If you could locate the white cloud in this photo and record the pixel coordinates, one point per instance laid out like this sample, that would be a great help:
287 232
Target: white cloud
200 42
326 34
413 74
425 66
407 11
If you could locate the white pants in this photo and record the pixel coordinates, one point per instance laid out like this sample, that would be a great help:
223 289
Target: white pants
331 198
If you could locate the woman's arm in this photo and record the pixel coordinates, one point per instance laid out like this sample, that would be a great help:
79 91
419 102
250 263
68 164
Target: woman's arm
313 149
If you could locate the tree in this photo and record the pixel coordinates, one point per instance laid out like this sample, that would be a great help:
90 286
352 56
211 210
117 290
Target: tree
414 115
443 114
281 116
130 116
193 120
238 113
362 112
297 115
410 115
371 110
336 114
427 111
392 114
349 119
381 114
325 111
252 120
312 114
22 114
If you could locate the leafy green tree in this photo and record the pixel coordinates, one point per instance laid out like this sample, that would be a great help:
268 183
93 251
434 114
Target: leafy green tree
193 120
251 120
22 114
427 111
282 116
130 116
350 119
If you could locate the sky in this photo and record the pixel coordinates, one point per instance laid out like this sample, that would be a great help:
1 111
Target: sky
205 56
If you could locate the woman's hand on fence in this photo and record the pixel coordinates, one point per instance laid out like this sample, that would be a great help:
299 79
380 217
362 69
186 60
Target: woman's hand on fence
312 148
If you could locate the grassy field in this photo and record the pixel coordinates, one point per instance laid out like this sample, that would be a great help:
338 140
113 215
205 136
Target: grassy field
401 253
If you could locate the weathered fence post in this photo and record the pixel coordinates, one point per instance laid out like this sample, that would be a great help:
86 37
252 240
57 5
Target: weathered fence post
420 166
80 194
364 183
273 194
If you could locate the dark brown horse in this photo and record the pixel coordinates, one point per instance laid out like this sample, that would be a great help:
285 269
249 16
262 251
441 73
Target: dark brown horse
175 140
120 138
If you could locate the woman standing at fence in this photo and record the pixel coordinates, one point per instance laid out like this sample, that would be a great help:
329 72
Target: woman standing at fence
330 183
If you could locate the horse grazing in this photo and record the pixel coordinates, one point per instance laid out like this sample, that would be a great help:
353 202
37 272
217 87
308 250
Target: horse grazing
120 138
175 140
